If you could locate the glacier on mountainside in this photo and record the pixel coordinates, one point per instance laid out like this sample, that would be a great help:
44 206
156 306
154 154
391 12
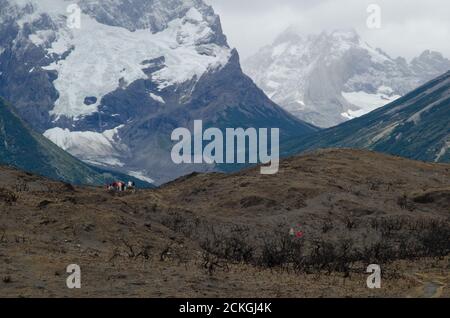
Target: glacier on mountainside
111 89
101 58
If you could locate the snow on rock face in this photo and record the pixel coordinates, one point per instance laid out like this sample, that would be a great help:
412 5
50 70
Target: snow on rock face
141 176
148 66
157 98
443 151
103 56
194 15
53 8
130 61
91 147
368 102
153 15
336 75
99 58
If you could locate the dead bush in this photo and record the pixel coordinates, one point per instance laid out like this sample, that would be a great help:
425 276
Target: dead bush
327 226
136 251
281 250
211 262
276 252
380 252
435 239
21 186
7 196
404 203
7 279
233 246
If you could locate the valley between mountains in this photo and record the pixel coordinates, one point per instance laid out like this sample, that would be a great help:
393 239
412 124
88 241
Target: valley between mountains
364 140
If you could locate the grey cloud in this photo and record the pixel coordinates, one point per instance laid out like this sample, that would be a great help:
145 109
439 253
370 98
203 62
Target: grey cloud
408 26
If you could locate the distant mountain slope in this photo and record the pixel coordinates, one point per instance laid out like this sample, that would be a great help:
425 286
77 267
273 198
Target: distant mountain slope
112 91
416 126
27 150
334 76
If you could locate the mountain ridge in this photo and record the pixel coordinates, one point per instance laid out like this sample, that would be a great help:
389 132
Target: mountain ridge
112 92
25 149
415 126
334 76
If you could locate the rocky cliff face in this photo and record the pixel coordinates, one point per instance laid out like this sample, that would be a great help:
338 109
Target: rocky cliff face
335 76
111 91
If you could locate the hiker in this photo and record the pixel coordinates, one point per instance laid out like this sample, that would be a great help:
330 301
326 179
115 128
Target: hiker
131 186
120 186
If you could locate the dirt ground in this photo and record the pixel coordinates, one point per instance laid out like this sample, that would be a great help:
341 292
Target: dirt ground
166 242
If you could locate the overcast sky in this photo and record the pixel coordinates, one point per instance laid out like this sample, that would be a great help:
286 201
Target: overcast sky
408 27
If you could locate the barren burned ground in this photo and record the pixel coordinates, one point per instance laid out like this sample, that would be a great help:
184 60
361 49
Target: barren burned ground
215 235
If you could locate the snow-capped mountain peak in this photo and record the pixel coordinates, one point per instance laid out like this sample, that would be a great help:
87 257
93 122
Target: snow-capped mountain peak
333 76
111 89
98 58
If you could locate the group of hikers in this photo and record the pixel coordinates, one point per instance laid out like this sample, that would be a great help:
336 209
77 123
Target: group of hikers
120 186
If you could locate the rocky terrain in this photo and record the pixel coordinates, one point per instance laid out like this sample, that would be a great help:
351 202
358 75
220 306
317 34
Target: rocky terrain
211 235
